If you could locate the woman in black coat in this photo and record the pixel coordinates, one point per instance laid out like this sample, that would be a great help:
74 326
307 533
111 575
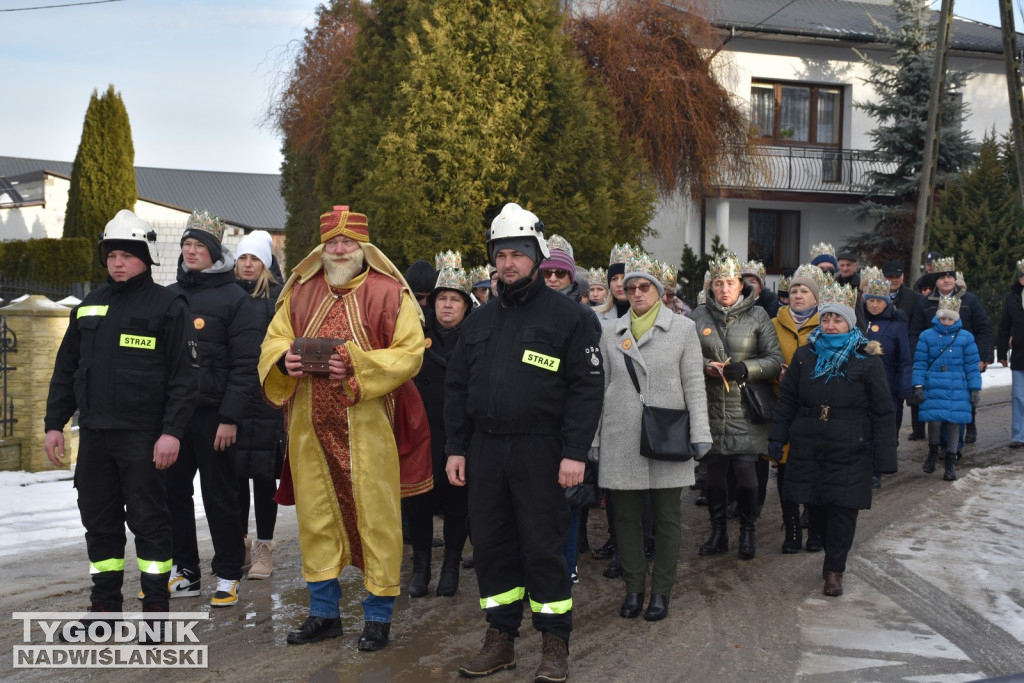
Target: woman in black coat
447 308
836 412
1011 327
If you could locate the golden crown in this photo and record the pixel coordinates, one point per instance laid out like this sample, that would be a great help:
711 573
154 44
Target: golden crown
876 286
837 294
447 259
814 273
204 221
947 264
453 278
560 243
620 252
784 284
479 274
820 249
597 276
640 262
727 267
949 303
754 267
668 275
871 273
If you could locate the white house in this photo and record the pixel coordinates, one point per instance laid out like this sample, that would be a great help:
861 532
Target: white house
793 65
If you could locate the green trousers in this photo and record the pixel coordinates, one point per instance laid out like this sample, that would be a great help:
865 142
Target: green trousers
628 508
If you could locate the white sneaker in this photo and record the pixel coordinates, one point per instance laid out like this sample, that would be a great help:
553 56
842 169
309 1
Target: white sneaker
227 593
183 584
262 560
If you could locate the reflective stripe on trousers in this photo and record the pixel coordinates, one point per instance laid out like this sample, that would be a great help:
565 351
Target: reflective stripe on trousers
507 598
114 564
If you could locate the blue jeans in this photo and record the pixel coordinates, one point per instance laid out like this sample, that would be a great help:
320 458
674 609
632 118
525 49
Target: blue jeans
324 597
1017 401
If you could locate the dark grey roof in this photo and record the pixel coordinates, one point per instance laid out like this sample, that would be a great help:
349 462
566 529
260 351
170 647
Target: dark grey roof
841 20
248 200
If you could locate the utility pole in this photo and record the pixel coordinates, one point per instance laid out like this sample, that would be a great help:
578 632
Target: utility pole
926 184
1013 84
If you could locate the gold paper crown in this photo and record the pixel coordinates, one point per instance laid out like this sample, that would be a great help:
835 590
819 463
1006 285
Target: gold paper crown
453 278
640 262
727 267
559 242
204 221
754 267
784 284
620 252
949 303
447 259
598 276
820 249
815 273
1020 266
946 264
876 286
837 294
479 274
871 273
668 275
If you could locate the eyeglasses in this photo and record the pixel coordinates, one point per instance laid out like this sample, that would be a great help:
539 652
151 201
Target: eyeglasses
642 287
554 272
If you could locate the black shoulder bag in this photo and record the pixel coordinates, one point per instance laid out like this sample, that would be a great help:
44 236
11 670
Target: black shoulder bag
758 396
664 432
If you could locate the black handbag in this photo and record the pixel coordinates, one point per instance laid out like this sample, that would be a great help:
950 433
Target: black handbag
664 432
758 396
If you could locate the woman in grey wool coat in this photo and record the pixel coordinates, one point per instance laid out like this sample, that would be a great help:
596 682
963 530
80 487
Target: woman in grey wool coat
667 360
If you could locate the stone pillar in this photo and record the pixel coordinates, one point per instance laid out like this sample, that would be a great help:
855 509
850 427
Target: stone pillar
39 325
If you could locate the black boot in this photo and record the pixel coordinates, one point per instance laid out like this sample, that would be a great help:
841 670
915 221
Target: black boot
747 510
718 542
794 534
813 538
448 584
420 573
950 473
933 456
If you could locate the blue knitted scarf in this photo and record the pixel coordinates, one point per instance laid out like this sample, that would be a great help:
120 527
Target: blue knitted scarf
833 351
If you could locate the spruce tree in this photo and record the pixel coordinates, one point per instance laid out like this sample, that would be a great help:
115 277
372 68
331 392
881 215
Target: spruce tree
103 173
456 107
900 108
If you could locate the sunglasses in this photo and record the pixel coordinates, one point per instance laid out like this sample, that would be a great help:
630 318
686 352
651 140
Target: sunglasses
642 287
554 272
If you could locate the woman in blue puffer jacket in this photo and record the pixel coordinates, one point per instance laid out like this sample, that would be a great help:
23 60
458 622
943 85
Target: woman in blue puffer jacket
947 382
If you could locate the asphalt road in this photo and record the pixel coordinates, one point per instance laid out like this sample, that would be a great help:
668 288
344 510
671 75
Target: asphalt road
933 593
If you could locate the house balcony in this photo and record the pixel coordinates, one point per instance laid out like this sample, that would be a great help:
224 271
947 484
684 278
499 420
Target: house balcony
789 169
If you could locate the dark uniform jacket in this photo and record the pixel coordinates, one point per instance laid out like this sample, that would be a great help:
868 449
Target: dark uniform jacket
526 363
972 317
833 455
905 300
430 383
1011 326
128 361
228 329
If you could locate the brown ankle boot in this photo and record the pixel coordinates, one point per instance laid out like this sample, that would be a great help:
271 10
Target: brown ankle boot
833 584
498 652
554 660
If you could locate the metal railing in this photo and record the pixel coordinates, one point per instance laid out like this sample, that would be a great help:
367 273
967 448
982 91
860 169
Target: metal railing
806 169
8 345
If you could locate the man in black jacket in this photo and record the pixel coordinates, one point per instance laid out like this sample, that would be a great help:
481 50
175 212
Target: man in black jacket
524 392
1011 327
128 365
228 330
903 298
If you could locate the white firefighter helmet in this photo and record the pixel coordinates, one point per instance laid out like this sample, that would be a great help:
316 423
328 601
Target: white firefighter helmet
125 226
516 222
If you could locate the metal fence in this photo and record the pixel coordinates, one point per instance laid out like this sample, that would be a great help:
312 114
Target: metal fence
12 288
806 169
8 346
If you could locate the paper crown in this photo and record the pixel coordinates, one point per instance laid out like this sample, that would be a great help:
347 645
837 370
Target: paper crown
837 294
946 264
821 249
814 273
341 221
754 267
876 286
453 278
668 275
1020 266
479 274
597 276
727 267
640 262
949 303
784 284
447 259
204 221
871 273
559 242
620 252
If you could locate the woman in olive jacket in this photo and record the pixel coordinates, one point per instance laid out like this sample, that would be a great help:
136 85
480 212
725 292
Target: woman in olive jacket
739 345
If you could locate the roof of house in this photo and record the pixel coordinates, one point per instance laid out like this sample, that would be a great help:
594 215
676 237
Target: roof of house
842 20
247 200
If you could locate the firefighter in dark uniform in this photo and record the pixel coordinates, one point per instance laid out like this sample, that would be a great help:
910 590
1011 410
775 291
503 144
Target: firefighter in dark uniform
523 398
128 364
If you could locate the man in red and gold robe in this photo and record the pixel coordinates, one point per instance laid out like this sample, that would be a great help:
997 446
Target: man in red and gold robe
342 468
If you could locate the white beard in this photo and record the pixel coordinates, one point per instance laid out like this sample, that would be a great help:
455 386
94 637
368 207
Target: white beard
340 272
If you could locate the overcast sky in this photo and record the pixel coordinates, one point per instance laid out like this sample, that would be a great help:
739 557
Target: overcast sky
195 77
